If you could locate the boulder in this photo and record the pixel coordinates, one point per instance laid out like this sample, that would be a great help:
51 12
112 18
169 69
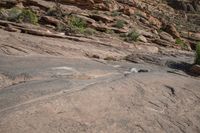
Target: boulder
162 42
142 39
51 20
145 33
165 36
128 10
171 29
155 22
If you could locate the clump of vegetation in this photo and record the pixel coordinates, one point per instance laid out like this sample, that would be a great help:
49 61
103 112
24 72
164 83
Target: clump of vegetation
119 24
197 61
19 15
90 31
77 24
61 27
108 31
181 43
115 13
28 16
132 36
56 10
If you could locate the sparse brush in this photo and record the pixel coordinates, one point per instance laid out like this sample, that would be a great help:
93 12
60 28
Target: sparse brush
56 10
19 15
115 13
132 36
28 16
119 24
90 31
76 24
181 43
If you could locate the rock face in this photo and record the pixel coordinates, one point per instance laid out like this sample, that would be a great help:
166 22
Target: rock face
188 5
145 17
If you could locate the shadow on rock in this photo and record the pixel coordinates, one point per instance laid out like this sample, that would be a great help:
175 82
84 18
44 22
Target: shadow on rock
183 66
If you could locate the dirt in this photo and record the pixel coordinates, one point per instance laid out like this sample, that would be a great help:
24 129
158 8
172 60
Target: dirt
56 85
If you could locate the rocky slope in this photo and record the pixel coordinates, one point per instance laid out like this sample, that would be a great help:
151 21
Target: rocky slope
156 22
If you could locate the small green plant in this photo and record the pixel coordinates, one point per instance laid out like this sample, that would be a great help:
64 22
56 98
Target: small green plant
119 24
181 43
19 15
132 36
90 31
77 25
197 61
28 16
56 10
61 27
14 14
115 13
108 31
77 22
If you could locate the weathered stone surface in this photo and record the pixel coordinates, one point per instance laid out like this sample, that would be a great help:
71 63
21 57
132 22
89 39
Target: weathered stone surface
167 37
101 17
51 20
142 39
195 69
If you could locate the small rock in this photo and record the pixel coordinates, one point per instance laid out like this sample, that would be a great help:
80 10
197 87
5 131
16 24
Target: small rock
148 48
51 20
142 39
11 29
133 70
195 69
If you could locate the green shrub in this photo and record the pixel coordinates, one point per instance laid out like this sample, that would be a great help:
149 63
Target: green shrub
181 43
19 15
108 31
115 13
119 24
28 16
132 36
197 61
77 22
14 14
77 25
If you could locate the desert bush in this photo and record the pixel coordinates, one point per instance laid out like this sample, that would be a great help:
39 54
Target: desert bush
181 43
90 31
119 24
132 36
28 16
56 11
77 24
115 13
108 31
19 15
197 61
